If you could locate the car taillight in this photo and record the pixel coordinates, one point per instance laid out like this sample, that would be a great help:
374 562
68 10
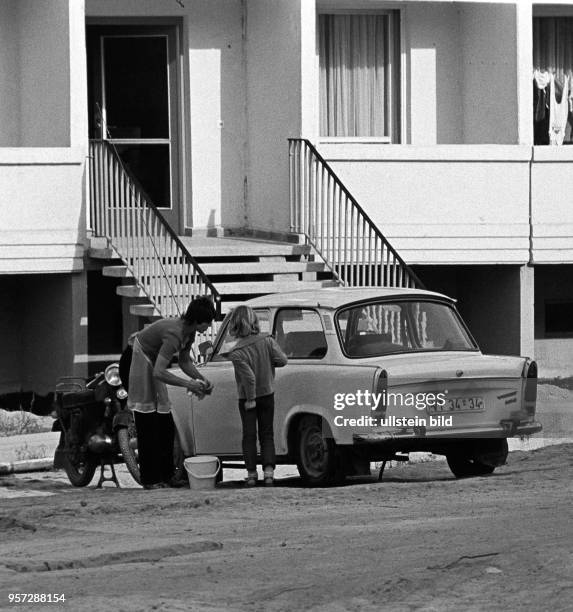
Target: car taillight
381 391
530 391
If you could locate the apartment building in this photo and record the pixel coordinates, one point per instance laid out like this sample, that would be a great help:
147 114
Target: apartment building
428 112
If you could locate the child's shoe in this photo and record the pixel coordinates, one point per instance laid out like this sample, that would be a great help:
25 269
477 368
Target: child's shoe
269 477
251 480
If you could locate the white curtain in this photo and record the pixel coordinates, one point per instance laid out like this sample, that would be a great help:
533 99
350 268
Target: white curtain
553 45
354 84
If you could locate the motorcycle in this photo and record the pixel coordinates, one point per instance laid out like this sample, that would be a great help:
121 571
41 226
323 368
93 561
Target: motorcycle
96 426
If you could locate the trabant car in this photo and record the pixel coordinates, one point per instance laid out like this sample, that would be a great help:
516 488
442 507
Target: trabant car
372 372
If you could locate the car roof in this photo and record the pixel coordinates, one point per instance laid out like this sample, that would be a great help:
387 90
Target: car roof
335 297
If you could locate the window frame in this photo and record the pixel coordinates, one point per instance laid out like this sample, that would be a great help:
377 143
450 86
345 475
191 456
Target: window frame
398 104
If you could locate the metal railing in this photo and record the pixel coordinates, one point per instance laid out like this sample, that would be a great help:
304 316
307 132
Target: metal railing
160 263
335 224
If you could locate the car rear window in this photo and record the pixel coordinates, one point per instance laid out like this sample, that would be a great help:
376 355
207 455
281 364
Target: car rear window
401 327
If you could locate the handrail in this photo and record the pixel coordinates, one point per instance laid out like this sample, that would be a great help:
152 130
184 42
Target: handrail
325 211
156 257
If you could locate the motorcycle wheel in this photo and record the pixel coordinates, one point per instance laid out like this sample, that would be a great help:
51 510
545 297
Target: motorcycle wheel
80 473
124 436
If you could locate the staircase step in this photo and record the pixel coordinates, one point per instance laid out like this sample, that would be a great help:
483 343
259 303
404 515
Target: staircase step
243 288
262 267
226 247
131 291
103 253
116 271
98 242
239 268
144 310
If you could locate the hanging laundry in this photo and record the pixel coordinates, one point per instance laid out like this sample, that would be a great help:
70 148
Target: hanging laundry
540 107
541 79
558 111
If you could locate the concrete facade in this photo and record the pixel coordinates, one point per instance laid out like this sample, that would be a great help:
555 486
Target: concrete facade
465 192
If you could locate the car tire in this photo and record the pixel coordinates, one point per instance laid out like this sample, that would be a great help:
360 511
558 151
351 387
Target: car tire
316 456
124 437
493 453
80 473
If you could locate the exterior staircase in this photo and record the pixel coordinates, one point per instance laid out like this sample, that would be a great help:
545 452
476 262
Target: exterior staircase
239 268
163 271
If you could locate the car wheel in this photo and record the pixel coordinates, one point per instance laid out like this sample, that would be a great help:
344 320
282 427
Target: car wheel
316 456
127 442
491 454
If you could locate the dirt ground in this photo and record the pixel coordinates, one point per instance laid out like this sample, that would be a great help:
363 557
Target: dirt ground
419 540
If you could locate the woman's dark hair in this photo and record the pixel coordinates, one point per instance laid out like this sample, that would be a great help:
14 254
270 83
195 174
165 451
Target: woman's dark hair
200 310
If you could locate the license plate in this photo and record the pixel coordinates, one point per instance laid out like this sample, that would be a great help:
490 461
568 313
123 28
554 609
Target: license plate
461 404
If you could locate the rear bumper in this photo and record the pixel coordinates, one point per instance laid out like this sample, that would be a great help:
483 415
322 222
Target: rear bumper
506 429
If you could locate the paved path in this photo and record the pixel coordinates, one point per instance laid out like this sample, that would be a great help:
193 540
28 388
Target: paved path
28 446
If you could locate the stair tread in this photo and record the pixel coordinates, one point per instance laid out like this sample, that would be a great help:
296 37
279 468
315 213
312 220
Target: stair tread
116 271
222 247
262 267
235 269
243 288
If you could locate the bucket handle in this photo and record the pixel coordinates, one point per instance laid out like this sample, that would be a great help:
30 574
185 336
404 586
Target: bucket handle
207 475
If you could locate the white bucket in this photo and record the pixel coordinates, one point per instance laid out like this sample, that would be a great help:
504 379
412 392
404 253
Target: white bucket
202 471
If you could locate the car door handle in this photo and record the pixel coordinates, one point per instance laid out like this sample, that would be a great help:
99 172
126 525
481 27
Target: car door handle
459 373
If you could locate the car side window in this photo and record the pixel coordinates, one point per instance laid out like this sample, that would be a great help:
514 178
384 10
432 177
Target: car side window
229 341
300 334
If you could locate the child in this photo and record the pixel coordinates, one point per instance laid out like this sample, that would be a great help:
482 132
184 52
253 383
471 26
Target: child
254 358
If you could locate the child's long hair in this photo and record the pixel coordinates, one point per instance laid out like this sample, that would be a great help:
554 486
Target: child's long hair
244 322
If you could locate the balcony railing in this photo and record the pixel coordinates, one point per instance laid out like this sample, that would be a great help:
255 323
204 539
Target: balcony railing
335 224
160 263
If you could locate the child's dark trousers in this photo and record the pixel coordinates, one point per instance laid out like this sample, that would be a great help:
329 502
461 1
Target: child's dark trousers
263 414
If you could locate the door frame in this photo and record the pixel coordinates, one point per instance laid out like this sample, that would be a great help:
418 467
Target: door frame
180 151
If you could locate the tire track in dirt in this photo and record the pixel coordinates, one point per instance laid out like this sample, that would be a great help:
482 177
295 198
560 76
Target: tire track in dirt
149 555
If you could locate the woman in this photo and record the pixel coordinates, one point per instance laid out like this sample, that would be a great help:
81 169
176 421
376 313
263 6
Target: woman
254 358
153 349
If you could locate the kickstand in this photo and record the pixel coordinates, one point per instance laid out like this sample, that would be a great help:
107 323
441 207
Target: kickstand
103 478
381 472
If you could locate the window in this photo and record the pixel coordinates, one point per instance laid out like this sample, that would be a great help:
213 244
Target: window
228 341
401 327
360 75
552 80
299 333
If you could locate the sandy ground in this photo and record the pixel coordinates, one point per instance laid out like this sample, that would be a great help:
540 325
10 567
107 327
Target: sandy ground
418 540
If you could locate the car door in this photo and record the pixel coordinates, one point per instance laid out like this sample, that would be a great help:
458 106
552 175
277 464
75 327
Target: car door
216 419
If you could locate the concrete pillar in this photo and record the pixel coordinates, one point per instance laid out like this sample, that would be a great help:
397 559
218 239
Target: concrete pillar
524 24
78 322
527 310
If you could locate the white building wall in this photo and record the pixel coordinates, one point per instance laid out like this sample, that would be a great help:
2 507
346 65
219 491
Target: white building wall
44 54
552 212
274 107
433 101
489 73
42 199
446 204
9 75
